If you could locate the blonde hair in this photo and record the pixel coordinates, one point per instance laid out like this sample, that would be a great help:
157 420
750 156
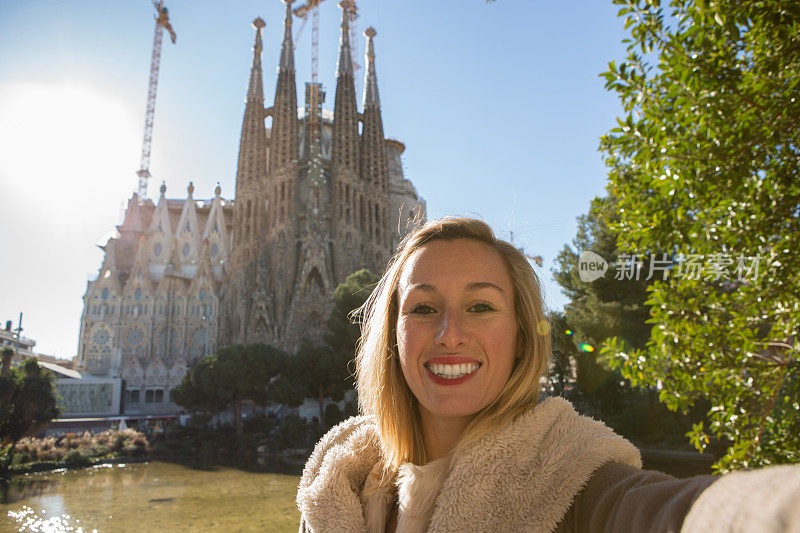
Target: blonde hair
382 389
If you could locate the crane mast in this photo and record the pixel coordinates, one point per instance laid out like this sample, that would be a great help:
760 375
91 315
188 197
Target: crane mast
162 23
302 12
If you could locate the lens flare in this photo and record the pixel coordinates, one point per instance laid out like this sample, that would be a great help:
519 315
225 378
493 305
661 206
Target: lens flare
585 347
568 332
543 327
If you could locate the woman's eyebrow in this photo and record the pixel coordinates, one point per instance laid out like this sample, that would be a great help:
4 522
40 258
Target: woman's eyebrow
420 287
474 286
478 285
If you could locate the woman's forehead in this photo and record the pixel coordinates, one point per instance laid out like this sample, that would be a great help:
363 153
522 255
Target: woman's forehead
460 262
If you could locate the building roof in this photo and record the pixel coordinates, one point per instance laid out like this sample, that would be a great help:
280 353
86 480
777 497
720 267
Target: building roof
60 370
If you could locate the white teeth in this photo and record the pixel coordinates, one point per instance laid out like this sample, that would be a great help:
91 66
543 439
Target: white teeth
453 371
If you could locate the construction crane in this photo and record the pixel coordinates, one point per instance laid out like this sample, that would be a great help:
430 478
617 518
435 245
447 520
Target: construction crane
162 23
312 6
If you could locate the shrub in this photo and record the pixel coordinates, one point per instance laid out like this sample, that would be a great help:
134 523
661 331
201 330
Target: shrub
99 451
118 441
257 424
22 458
76 458
43 444
100 445
291 432
52 454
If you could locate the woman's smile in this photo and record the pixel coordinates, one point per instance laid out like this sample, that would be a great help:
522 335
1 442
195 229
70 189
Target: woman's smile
451 370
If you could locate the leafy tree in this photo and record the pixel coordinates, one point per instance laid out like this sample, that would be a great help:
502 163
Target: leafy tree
603 308
344 332
607 306
291 432
225 379
705 164
190 392
564 352
317 372
27 403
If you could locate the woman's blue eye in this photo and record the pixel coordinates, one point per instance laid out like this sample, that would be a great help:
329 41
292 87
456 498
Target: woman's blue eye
423 309
481 308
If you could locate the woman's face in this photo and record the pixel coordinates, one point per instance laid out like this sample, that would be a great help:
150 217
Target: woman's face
456 327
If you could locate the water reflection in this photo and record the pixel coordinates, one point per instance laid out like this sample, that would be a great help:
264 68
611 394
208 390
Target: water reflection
144 497
20 489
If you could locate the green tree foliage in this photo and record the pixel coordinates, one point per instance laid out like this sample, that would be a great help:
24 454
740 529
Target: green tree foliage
564 352
705 162
27 403
322 372
344 328
606 307
225 379
319 372
610 307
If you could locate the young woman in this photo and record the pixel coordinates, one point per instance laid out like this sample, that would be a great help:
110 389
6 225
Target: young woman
453 437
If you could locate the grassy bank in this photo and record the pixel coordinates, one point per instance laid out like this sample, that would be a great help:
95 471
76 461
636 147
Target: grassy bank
77 450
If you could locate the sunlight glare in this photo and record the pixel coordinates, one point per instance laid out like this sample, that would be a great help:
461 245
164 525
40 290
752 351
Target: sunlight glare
65 146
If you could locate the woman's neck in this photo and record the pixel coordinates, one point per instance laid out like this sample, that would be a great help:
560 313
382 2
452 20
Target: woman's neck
441 433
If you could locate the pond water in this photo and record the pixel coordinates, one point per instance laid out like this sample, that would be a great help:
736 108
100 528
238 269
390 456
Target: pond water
150 497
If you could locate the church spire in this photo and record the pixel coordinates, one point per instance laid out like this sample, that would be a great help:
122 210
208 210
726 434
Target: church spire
253 141
283 138
345 64
256 87
373 146
371 78
287 48
345 114
252 165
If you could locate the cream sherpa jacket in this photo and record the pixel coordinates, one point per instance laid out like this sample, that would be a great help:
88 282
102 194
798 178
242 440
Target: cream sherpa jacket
522 477
550 470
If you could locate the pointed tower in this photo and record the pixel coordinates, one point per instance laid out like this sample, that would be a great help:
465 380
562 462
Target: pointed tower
373 149
282 203
188 234
252 168
216 234
345 114
160 234
283 138
373 209
345 183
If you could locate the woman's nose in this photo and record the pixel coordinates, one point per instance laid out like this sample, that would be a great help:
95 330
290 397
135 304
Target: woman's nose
452 331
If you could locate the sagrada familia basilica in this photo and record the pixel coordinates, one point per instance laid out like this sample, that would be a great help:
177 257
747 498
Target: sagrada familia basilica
318 196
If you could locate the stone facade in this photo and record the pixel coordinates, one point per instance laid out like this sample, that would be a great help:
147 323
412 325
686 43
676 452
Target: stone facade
316 199
152 310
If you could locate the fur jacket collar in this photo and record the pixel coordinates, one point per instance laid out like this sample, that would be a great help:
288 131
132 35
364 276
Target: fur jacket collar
521 477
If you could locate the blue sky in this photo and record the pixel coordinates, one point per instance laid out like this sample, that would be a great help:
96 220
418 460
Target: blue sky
499 105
